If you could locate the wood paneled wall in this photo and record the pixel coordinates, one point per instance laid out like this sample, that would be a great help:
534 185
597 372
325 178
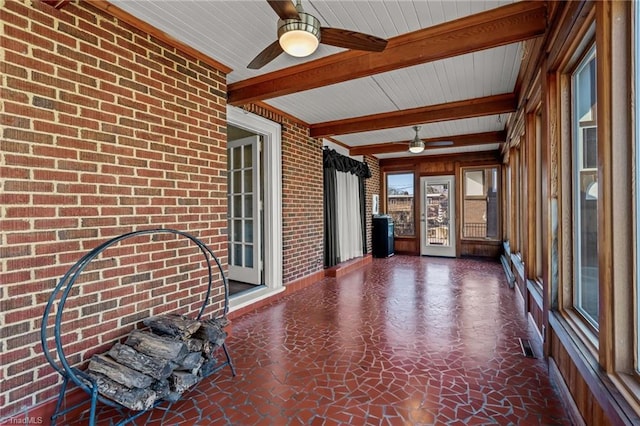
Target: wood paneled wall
424 165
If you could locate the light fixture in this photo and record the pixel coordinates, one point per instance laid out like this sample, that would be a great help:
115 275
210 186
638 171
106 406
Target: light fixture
416 146
301 37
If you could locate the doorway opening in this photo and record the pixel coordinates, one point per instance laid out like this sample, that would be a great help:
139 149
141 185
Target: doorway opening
254 215
245 225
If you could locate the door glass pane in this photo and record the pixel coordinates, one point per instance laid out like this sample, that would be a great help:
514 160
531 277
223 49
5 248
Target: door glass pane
237 230
248 206
437 214
236 182
237 254
248 155
236 157
237 205
248 231
248 256
248 180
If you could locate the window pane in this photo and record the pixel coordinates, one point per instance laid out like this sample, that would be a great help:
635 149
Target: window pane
474 183
400 203
585 190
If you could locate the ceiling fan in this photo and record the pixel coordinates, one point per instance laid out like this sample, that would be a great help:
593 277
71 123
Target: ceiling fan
299 34
417 145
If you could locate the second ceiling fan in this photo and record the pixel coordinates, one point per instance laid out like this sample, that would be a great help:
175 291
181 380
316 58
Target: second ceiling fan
299 34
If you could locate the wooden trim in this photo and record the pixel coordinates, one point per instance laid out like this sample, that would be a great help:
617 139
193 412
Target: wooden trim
126 17
458 140
278 111
477 107
615 200
605 183
565 394
503 25
609 399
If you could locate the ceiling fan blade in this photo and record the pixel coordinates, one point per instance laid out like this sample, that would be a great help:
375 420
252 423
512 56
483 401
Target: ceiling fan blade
284 8
439 143
351 39
267 55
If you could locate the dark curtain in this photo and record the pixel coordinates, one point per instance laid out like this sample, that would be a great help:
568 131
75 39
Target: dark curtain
330 229
334 162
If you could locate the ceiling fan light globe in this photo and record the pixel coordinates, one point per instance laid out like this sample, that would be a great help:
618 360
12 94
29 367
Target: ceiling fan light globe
416 147
301 37
299 43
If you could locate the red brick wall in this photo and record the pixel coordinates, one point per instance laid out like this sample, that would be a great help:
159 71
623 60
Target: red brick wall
106 130
372 187
302 200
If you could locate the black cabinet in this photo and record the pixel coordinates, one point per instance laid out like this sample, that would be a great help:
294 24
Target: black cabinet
382 236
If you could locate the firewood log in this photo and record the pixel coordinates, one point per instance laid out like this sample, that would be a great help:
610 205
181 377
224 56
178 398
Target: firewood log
161 388
134 399
173 325
208 367
156 346
194 345
157 368
119 373
211 331
180 381
192 361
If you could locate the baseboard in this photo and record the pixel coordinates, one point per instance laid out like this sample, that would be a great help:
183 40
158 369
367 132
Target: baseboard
349 266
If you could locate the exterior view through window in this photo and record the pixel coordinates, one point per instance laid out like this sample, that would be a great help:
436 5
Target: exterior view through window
480 204
400 203
585 189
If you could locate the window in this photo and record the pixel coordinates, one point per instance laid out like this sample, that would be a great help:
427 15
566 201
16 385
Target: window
480 207
400 203
538 207
585 189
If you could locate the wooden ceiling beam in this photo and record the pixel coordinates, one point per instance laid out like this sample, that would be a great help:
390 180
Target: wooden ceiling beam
490 105
508 24
458 141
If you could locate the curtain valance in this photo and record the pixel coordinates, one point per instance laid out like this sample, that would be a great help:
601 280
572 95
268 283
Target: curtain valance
342 163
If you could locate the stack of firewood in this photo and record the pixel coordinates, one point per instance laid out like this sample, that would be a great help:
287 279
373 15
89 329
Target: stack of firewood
160 363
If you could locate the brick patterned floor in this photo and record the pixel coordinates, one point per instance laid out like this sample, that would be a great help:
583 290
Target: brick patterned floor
404 341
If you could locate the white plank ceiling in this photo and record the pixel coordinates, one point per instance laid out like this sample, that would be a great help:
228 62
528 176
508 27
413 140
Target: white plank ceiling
233 32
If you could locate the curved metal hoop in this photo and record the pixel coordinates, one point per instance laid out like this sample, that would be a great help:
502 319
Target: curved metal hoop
61 293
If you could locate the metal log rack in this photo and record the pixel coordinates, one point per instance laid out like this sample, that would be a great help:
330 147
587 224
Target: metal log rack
79 377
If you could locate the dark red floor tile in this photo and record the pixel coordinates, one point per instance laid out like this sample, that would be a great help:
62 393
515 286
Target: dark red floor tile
404 341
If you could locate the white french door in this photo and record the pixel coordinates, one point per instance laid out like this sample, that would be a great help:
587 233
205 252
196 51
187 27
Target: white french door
437 213
244 217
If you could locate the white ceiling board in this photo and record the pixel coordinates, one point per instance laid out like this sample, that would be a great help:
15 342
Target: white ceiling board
349 99
233 32
448 80
427 131
441 151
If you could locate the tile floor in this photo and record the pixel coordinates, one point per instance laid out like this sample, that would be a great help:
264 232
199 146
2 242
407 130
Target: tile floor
404 341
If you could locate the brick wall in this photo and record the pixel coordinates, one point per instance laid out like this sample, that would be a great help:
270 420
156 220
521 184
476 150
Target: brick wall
106 130
302 200
372 187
